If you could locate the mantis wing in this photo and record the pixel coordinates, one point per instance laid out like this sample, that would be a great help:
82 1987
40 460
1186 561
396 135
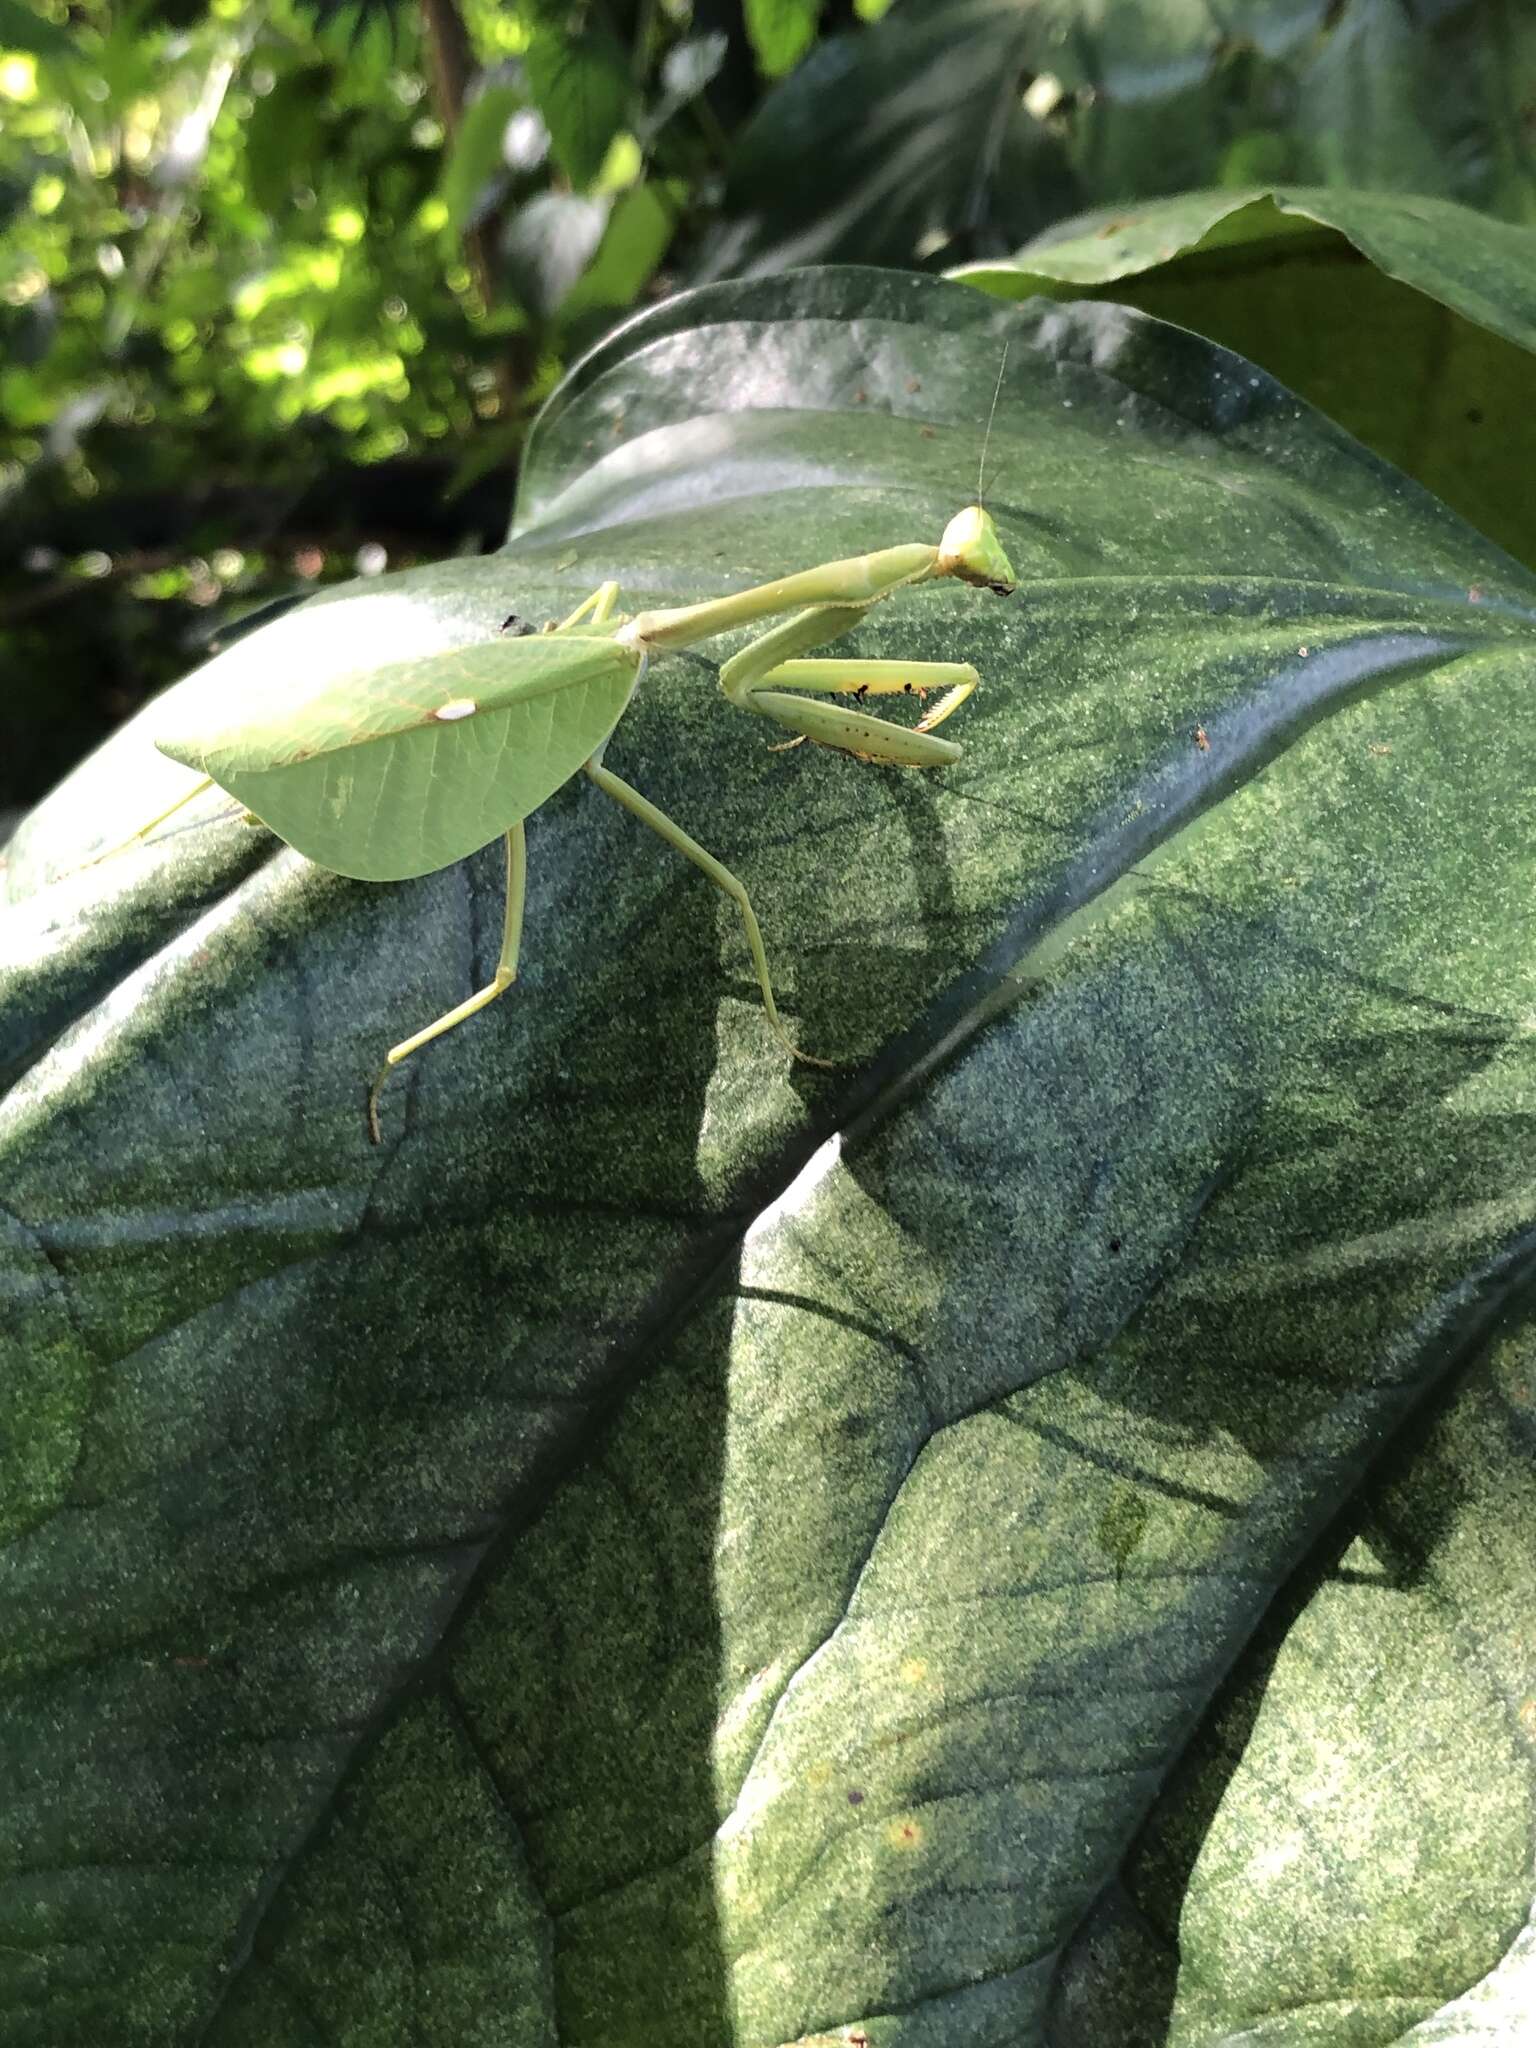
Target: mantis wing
405 768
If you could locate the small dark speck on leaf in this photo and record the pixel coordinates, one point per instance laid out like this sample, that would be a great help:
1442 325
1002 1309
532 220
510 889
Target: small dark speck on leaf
1114 1244
1474 416
1202 739
855 1796
914 385
928 433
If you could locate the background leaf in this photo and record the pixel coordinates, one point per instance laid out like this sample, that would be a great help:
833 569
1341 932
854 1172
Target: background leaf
954 132
23 28
580 84
477 155
1410 321
935 95
675 1547
549 244
781 31
634 240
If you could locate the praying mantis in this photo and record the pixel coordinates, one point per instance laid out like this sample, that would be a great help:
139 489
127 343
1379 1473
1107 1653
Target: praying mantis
409 767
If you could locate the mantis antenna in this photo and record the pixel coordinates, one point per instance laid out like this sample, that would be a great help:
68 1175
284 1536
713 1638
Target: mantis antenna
986 439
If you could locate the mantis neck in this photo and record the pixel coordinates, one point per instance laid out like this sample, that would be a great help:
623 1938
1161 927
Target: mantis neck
860 580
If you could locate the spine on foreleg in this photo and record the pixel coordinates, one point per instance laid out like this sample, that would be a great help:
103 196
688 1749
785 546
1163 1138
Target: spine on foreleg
870 739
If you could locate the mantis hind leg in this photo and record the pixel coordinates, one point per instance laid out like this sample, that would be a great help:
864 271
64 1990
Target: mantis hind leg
133 839
595 610
500 982
723 879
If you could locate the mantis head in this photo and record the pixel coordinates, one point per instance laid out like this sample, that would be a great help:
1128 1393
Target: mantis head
971 550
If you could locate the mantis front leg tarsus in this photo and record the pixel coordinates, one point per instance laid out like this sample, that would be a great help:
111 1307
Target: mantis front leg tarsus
500 982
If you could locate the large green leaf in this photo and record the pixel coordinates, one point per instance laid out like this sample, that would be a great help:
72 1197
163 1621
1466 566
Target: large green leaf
1024 1538
1411 321
956 128
581 85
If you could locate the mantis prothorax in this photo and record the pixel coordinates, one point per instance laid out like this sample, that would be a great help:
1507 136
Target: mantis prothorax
413 766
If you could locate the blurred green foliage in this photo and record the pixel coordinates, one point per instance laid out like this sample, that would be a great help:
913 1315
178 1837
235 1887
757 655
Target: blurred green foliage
224 229
275 287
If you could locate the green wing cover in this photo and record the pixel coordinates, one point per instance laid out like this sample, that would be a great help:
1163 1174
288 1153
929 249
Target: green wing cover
403 768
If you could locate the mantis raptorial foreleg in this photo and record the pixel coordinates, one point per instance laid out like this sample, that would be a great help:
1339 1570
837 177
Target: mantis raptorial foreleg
826 602
747 679
882 679
500 982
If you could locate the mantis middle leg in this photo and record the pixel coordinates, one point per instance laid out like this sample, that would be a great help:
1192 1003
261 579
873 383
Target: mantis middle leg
595 610
500 982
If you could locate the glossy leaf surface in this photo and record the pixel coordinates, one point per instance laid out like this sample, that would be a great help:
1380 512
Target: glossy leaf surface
1023 1538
